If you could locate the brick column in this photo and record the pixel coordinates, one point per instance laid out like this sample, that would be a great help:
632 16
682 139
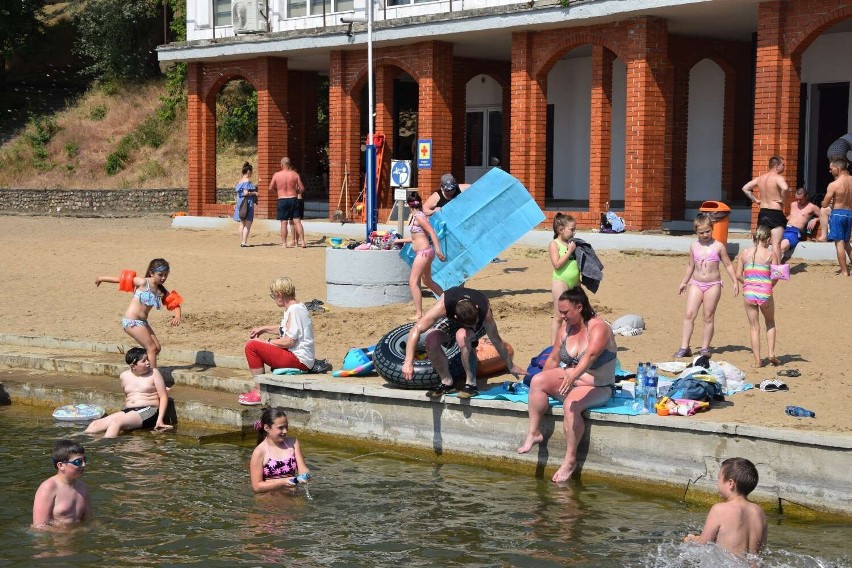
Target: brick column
383 77
529 117
600 144
344 145
435 112
272 127
195 154
649 90
776 95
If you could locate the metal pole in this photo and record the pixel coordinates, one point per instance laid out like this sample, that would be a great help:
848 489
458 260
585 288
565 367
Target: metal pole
371 204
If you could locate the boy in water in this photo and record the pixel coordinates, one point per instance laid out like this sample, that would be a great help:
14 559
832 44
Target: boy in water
737 525
63 499
145 399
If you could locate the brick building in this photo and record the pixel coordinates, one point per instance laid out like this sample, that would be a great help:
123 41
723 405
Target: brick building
650 106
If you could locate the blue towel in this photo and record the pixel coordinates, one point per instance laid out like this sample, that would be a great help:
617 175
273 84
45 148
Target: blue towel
478 225
288 371
498 392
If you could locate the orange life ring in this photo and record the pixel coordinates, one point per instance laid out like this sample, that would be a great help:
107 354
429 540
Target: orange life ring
488 359
125 281
173 300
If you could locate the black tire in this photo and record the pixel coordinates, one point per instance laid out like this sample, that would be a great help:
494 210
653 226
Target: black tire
389 357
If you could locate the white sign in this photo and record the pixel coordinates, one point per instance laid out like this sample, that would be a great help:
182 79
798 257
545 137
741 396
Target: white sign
400 173
400 194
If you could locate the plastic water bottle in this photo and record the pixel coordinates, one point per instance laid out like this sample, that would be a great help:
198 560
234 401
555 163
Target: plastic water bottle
639 393
650 387
799 411
301 478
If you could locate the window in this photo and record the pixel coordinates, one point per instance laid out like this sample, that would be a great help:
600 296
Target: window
297 8
223 13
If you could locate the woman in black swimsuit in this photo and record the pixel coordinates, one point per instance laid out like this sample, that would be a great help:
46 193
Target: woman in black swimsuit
580 371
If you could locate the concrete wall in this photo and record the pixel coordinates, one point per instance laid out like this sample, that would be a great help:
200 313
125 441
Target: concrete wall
90 203
795 467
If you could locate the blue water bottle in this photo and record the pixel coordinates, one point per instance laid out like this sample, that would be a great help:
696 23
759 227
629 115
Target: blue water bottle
650 387
799 411
639 393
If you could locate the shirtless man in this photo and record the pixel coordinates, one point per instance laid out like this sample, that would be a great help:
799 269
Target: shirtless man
839 198
63 499
737 525
802 219
145 399
772 186
287 184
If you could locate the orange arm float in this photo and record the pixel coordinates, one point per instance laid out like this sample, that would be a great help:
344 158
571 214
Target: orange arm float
173 300
125 281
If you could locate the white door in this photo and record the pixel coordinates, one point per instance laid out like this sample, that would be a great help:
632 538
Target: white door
483 146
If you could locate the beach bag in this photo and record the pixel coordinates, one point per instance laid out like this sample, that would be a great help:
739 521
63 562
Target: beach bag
693 388
616 223
537 364
244 208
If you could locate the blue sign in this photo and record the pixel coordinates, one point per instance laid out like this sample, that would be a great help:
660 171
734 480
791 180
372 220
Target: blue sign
400 173
424 154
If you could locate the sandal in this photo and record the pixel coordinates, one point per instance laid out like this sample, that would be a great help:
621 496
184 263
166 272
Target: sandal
440 391
789 373
770 385
683 352
468 391
705 352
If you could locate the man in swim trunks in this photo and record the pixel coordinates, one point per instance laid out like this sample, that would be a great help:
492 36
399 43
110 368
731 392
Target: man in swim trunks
771 186
145 399
468 313
802 219
839 197
288 186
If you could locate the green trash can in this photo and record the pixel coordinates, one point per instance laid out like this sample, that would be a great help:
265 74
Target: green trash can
720 213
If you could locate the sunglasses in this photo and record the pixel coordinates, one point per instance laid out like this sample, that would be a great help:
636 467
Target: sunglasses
79 462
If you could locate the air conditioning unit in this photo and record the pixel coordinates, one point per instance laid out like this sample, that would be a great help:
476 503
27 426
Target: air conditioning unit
248 16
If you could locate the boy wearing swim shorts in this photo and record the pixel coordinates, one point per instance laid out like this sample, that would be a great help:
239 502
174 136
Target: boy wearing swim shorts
145 399
839 197
63 499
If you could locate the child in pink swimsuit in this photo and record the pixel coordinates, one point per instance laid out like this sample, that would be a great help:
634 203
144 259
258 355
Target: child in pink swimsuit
702 284
277 459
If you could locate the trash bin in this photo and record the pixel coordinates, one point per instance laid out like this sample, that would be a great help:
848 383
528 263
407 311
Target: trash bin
719 212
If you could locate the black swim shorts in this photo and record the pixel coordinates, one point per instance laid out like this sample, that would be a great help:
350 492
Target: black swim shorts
771 218
287 209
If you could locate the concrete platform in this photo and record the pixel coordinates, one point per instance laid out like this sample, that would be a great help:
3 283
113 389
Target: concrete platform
803 471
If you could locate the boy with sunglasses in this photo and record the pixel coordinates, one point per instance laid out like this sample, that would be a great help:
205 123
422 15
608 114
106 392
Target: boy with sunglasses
63 499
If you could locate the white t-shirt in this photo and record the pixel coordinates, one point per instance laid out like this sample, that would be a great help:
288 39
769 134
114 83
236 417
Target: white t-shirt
297 325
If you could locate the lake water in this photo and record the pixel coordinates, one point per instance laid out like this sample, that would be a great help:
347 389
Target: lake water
161 502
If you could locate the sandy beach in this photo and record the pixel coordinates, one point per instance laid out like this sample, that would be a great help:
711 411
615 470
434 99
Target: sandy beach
50 264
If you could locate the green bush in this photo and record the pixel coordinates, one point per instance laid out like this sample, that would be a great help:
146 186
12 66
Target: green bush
72 149
116 161
98 112
236 114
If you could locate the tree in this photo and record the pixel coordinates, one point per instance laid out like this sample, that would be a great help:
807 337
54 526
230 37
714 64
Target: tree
20 25
120 37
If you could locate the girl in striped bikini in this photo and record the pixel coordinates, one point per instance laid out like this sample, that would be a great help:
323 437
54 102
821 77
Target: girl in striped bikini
753 270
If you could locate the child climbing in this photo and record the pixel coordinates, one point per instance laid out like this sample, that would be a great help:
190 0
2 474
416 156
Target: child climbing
702 284
753 270
566 273
426 246
148 292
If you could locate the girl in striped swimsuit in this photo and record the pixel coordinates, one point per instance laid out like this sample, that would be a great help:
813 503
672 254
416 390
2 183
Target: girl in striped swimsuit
753 269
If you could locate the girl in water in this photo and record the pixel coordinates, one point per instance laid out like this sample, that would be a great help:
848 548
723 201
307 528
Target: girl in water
149 293
245 189
277 460
753 270
566 273
426 247
702 284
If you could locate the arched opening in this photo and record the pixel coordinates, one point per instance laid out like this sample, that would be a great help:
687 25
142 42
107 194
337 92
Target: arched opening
618 146
236 135
825 109
704 132
483 147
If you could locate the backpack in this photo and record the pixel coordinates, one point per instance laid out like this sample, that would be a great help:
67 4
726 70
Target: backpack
616 223
537 364
693 388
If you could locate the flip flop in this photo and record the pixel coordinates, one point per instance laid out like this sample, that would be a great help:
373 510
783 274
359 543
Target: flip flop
773 385
789 373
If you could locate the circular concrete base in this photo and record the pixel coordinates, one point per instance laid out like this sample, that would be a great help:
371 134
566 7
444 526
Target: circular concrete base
365 278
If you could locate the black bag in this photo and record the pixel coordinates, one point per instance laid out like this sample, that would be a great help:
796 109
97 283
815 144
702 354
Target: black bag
696 389
244 208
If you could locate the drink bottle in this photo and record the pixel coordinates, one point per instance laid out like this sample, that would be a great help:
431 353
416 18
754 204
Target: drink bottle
799 411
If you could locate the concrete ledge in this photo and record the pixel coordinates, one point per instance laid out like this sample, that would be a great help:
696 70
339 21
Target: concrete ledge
360 279
800 467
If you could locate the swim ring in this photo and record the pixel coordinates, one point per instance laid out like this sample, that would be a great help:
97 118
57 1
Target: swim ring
389 357
78 412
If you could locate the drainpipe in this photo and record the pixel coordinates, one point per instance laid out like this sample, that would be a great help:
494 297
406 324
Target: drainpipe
213 17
